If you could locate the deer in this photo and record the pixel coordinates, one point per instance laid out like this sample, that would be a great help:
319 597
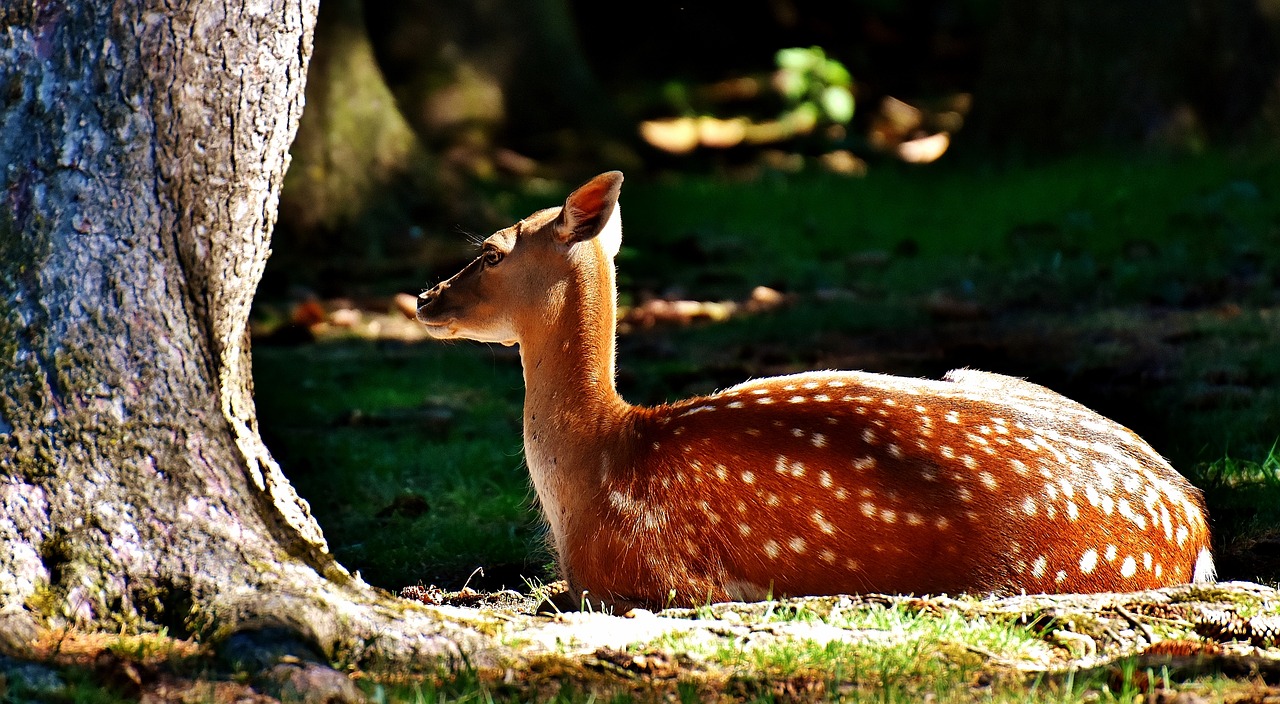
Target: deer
818 483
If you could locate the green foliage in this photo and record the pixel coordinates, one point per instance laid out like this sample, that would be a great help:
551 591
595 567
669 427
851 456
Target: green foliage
815 84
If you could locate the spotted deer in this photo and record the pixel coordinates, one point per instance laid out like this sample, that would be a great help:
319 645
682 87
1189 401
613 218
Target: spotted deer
816 483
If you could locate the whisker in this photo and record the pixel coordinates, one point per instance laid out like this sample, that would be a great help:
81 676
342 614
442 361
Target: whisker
475 238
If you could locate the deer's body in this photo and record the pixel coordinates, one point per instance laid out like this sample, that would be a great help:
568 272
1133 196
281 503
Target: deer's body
817 483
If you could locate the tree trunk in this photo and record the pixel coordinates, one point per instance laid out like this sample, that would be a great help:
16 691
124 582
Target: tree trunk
359 176
144 148
471 75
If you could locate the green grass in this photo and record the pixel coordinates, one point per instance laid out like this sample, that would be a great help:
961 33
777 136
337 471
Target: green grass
1126 220
358 424
914 654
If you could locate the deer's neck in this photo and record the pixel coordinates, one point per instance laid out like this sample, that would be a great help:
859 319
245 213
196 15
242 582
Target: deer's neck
572 410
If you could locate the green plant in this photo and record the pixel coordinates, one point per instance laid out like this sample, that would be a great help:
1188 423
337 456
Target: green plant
815 86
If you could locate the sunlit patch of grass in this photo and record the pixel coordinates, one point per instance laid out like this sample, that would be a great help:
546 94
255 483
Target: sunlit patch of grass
992 636
888 651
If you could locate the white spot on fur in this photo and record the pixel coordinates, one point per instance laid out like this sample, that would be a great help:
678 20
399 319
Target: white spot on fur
1108 504
1128 567
1089 561
712 515
699 409
823 524
621 501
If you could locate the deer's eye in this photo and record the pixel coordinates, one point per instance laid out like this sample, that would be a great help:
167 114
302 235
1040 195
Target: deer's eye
491 256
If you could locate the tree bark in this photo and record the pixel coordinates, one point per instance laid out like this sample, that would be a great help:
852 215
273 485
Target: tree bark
145 145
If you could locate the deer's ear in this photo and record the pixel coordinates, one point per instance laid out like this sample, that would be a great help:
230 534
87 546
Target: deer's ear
589 209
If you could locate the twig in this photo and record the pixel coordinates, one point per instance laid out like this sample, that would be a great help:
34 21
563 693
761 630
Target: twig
1146 630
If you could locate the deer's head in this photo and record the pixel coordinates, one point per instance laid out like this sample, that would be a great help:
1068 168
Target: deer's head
521 270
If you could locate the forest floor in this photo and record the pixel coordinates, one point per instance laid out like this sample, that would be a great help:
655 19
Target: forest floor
1189 644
